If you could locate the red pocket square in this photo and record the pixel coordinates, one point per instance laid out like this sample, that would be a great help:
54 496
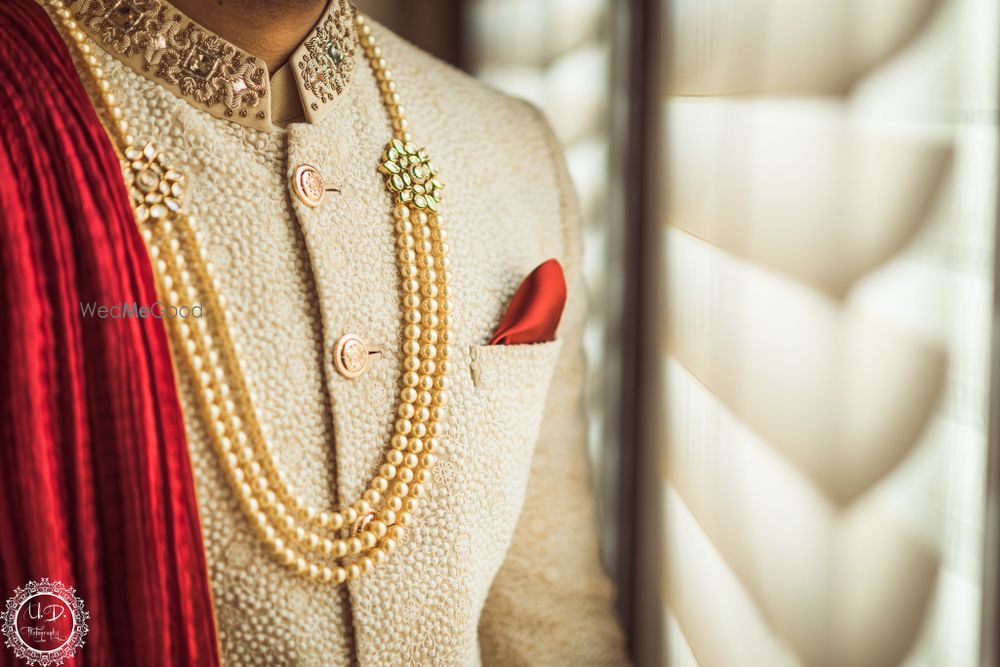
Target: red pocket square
536 308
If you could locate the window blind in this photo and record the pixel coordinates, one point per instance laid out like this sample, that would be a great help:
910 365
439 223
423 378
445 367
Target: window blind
813 161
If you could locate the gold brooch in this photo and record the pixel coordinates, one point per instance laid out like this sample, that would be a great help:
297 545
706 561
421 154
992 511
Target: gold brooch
156 189
411 175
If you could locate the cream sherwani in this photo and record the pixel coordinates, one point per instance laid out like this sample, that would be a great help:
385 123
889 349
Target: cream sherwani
502 565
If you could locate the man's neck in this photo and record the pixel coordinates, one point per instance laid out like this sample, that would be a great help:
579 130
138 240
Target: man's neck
271 30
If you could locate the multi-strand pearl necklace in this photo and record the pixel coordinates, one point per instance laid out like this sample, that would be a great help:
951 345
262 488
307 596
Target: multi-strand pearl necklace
334 545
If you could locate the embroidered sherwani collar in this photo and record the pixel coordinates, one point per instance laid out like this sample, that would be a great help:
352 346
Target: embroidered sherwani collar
156 40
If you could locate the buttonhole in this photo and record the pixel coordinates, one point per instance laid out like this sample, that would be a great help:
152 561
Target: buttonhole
477 379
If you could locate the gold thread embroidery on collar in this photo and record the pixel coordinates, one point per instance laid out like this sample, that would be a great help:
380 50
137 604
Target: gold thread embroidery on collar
329 59
203 66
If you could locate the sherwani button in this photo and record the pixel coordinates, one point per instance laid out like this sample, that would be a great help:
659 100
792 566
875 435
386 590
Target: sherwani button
308 185
350 356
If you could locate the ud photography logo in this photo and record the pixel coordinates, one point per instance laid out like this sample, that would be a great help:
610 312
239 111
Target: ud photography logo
44 623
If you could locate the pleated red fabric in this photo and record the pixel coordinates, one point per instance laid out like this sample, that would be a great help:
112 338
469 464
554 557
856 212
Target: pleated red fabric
533 314
96 488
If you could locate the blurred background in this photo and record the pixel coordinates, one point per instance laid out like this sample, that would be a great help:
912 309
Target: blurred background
790 226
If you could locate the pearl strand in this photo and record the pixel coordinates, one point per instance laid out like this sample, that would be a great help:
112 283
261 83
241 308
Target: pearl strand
342 544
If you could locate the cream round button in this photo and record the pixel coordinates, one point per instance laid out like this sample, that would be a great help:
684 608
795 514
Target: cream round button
308 185
350 356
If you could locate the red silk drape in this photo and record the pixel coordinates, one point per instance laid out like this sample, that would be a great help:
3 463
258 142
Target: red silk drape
95 483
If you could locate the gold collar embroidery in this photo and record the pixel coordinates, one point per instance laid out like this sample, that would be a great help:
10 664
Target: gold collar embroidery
159 42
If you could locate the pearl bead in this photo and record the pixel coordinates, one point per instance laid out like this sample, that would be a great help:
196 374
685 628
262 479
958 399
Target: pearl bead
354 545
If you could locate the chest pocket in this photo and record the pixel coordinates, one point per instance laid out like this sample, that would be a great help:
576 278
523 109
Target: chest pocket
500 397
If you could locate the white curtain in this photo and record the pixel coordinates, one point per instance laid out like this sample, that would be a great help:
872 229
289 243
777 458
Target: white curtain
829 178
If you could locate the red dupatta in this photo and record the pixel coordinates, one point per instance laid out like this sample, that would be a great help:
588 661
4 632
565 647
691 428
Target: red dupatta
95 484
